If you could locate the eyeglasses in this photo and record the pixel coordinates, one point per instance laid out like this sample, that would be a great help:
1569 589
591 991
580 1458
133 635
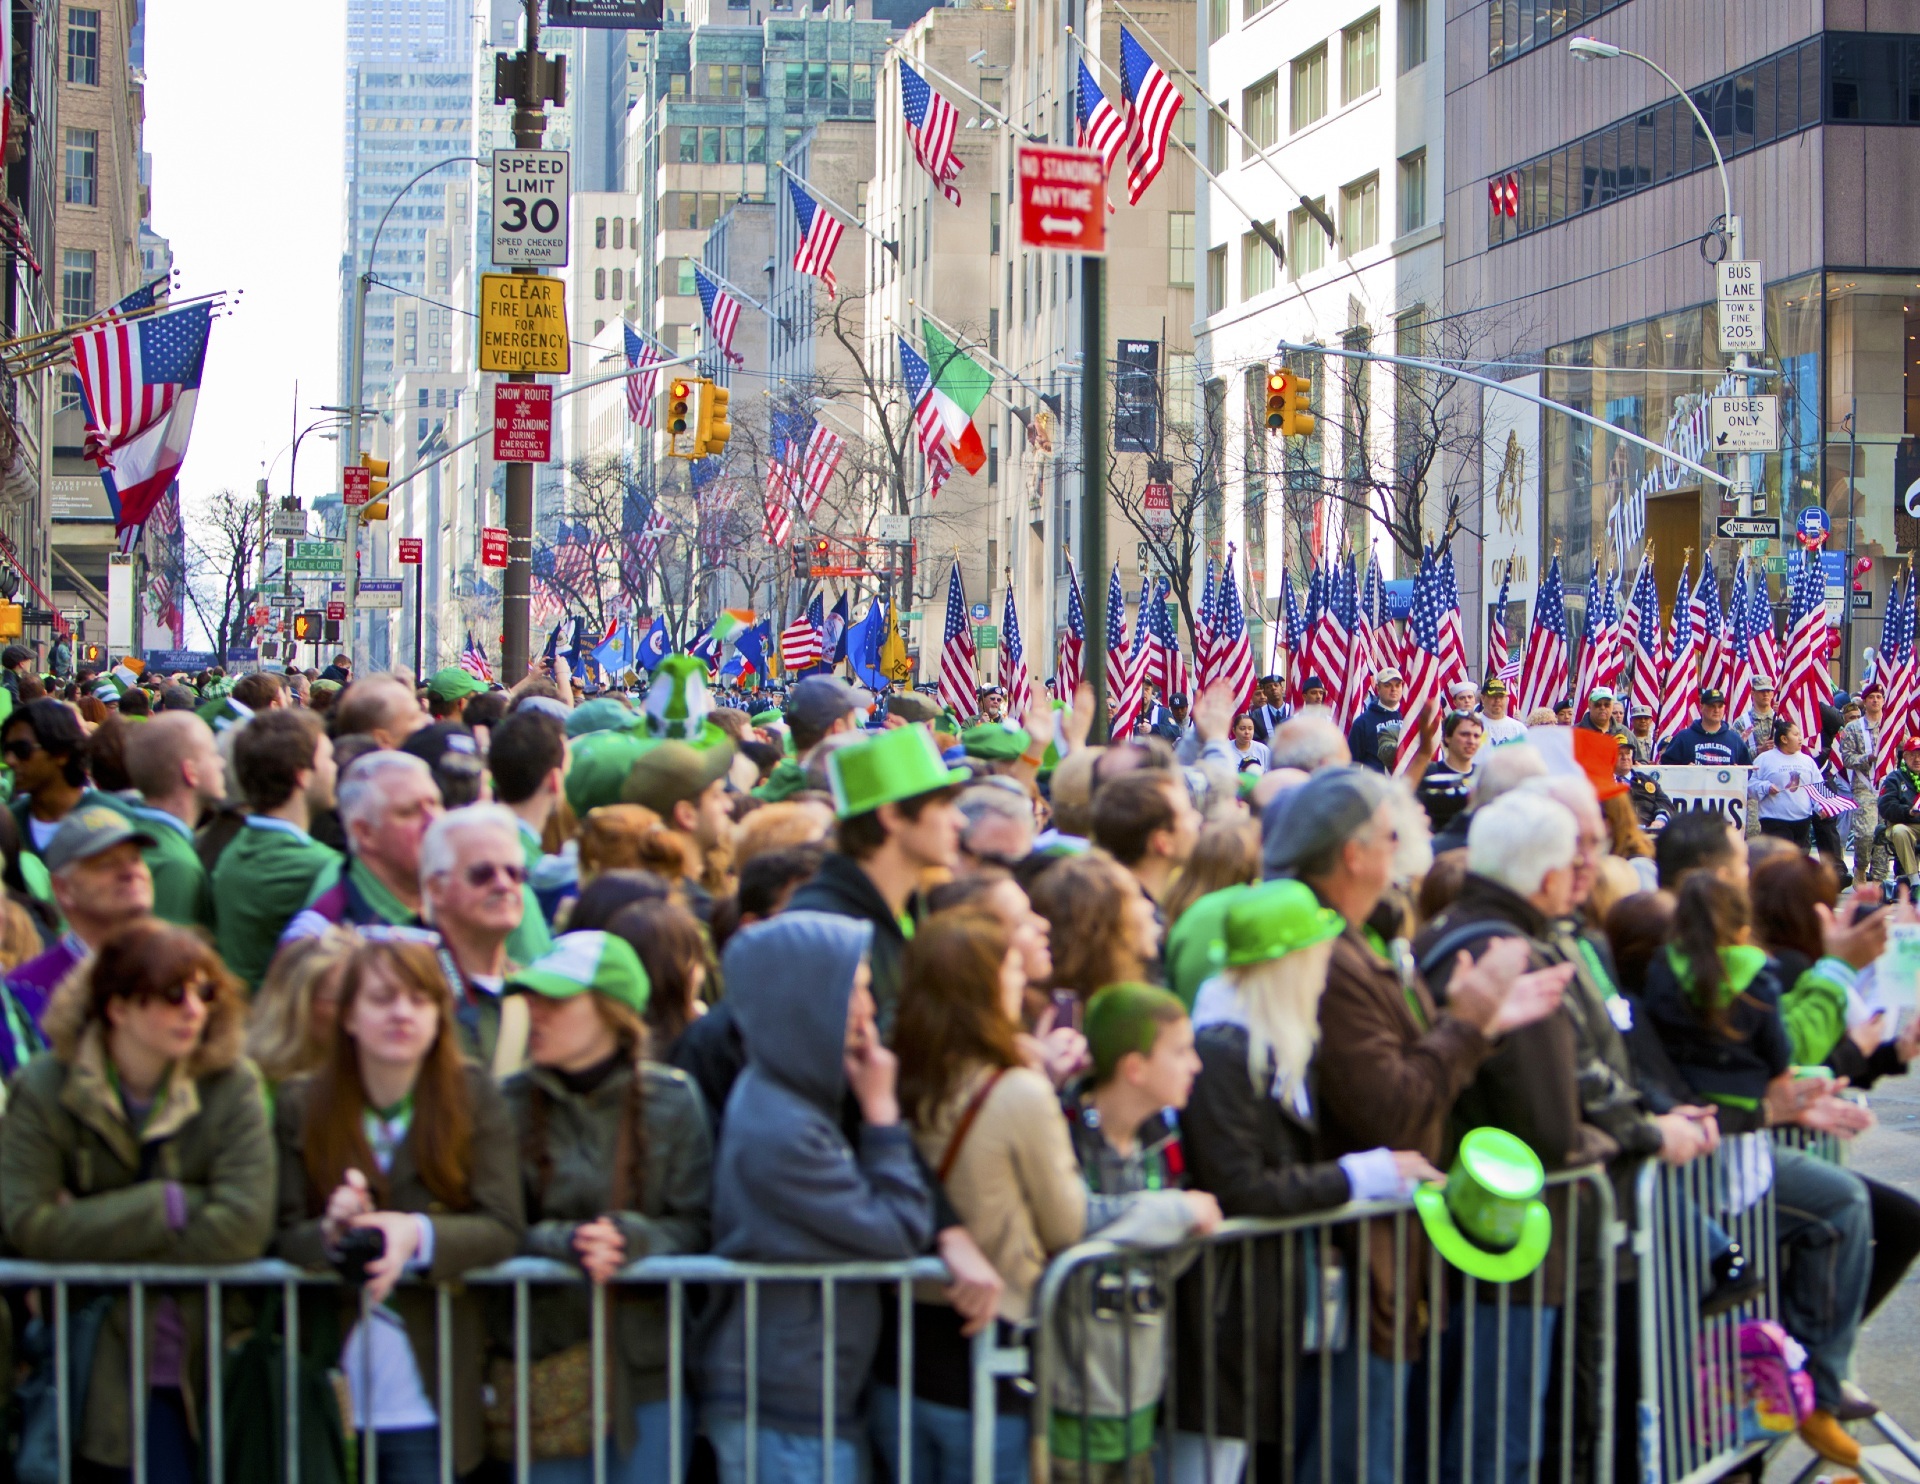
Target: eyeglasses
481 873
21 748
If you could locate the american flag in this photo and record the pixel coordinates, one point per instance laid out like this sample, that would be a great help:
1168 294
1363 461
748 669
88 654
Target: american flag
1152 105
1426 679
778 525
1343 603
1766 649
820 233
1168 666
1643 638
927 425
811 461
166 569
1374 623
1740 646
1503 195
642 356
1203 628
574 553
1497 660
1806 683
1101 128
1593 641
1232 649
139 301
1453 642
1330 645
473 659
1616 666
958 686
1895 668
1014 680
931 124
1126 664
1543 675
1072 662
1293 637
723 314
800 640
139 381
646 534
1826 803
1680 676
1704 611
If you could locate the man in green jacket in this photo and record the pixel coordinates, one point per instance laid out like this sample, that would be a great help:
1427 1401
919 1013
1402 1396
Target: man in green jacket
175 763
283 763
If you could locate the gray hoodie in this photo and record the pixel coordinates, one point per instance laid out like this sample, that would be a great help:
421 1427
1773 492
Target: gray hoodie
789 1188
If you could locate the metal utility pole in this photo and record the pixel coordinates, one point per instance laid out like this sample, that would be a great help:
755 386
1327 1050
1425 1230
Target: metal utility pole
1093 480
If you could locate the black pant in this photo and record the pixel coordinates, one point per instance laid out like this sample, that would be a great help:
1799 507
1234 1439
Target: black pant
1826 835
1800 831
1896 1239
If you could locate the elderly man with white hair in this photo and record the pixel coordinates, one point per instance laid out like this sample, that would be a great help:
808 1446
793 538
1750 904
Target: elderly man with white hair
998 828
386 801
473 876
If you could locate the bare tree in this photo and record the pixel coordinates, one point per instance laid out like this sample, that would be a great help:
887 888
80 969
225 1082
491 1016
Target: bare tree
223 558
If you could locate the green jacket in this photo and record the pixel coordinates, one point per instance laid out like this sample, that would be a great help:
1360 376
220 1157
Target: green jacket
182 892
66 1133
668 1216
1815 1010
486 1232
787 779
262 881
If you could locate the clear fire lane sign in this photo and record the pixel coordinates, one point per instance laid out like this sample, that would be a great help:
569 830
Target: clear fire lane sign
530 208
1743 300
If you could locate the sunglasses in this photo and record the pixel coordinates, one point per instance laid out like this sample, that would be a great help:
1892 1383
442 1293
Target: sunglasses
21 748
482 873
175 995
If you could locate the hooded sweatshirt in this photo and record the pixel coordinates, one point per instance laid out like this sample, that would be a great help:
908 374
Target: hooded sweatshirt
789 1187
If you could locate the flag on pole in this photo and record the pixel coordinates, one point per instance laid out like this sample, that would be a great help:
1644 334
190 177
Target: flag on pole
800 642
1680 678
1643 637
1703 610
1766 648
1293 637
648 531
1497 657
1895 668
1740 646
473 659
643 356
928 426
1167 667
1014 680
139 383
1123 677
1426 680
723 314
1806 684
1375 624
931 125
1543 675
820 233
1152 105
1072 661
1343 605
1593 651
1232 649
1616 666
958 689
1100 126
818 458
960 385
1453 642
1203 630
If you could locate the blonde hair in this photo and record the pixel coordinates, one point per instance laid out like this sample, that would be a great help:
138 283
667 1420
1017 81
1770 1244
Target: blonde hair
779 826
1614 880
280 1022
620 837
1281 1000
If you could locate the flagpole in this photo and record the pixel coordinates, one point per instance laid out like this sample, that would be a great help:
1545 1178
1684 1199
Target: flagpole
920 66
839 211
728 284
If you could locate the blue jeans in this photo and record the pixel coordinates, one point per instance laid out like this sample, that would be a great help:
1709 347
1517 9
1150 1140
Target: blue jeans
1825 1230
409 1455
1385 1382
943 1440
172 1455
782 1457
1510 1422
648 1463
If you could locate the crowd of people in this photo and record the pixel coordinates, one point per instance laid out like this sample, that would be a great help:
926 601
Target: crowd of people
402 980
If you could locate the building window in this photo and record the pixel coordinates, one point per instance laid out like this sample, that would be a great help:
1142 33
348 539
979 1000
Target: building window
76 284
689 146
1309 87
1360 58
1306 245
1359 215
1180 249
1216 279
1251 8
683 283
599 283
1515 27
1413 191
619 284
1260 115
619 232
709 146
1219 17
735 152
993 224
1413 34
83 47
423 397
1216 139
1256 265
756 151
82 167
599 231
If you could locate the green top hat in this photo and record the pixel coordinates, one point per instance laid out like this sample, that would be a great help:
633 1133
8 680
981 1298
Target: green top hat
678 702
1274 920
1488 1219
897 764
587 963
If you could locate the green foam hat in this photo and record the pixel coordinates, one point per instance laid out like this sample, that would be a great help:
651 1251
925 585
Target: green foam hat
678 701
994 743
900 763
1276 919
1488 1219
603 714
587 963
769 718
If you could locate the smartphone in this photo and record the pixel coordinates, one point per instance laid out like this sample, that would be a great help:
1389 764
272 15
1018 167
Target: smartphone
1067 1009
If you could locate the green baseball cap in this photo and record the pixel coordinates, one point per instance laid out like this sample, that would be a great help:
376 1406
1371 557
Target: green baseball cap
1274 920
587 963
597 767
771 717
994 743
603 714
1488 1219
901 763
454 684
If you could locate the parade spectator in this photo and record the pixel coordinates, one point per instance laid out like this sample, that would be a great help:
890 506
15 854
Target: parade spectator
818 707
627 837
1899 807
527 758
1250 754
1498 728
450 690
672 949
1103 929
1782 784
998 826
45 745
1271 709
290 1023
472 886
1383 707
1146 821
381 707
176 765
1225 854
1710 741
1857 747
387 801
687 787
1444 786
782 826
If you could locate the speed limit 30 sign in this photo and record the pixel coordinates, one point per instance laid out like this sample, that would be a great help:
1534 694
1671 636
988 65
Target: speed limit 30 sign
530 208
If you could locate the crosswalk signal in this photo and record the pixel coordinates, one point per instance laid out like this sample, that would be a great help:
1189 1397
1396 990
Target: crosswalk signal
1278 383
1296 421
306 628
715 430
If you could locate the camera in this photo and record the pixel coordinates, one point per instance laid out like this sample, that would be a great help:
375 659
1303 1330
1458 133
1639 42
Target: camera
358 1247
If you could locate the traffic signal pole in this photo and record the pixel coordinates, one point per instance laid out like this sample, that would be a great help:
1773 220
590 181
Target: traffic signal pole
529 132
1093 480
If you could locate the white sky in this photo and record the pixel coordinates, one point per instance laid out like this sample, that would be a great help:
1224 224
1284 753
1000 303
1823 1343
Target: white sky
243 122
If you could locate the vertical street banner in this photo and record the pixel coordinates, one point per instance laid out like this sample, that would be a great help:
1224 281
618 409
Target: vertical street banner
1136 397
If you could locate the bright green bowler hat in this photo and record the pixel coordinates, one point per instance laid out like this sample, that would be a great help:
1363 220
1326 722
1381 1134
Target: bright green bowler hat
1274 920
900 763
1488 1219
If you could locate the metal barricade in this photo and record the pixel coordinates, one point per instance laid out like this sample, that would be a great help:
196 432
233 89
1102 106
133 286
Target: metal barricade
680 1278
1324 1270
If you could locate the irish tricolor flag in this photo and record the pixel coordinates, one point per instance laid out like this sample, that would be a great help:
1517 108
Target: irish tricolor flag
959 387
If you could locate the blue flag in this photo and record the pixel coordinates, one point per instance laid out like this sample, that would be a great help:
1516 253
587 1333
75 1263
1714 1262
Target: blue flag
655 647
748 644
833 642
614 654
576 647
863 646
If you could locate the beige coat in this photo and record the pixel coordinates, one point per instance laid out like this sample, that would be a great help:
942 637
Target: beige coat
1015 1181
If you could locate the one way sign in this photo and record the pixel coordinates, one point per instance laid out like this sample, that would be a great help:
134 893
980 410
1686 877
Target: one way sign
1743 424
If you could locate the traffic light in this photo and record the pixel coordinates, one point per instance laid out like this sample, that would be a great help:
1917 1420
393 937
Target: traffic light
92 654
822 552
801 560
715 430
1296 418
1278 383
376 507
683 405
12 621
306 628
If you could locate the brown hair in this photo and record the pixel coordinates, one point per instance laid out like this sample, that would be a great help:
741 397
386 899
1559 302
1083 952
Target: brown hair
862 835
334 1139
107 756
951 1018
1624 835
630 1150
257 690
1637 927
779 826
1709 914
142 960
1226 854
270 753
1785 892
1084 898
1441 884
626 837
1130 810
672 947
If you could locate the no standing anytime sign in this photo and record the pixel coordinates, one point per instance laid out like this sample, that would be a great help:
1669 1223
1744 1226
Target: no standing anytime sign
1063 199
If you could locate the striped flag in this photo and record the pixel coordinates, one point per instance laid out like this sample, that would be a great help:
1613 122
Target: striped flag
1616 634
643 542
1543 675
958 689
1740 646
1293 637
1152 105
642 355
1497 659
1806 683
1426 679
1014 680
1453 642
1123 675
1356 673
1766 648
1643 638
931 125
1167 666
819 457
1232 649
1072 662
928 426
723 314
1203 629
1382 650
820 233
473 659
1101 127
1895 668
1826 803
778 526
1680 676
800 641
1704 611
1593 644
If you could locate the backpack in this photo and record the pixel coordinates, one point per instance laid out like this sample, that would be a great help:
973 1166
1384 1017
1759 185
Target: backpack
1777 1390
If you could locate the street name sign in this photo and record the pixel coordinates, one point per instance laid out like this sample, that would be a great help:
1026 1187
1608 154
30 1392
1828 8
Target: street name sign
1743 424
1749 528
530 208
374 592
523 324
1743 298
522 423
289 522
315 556
1063 199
